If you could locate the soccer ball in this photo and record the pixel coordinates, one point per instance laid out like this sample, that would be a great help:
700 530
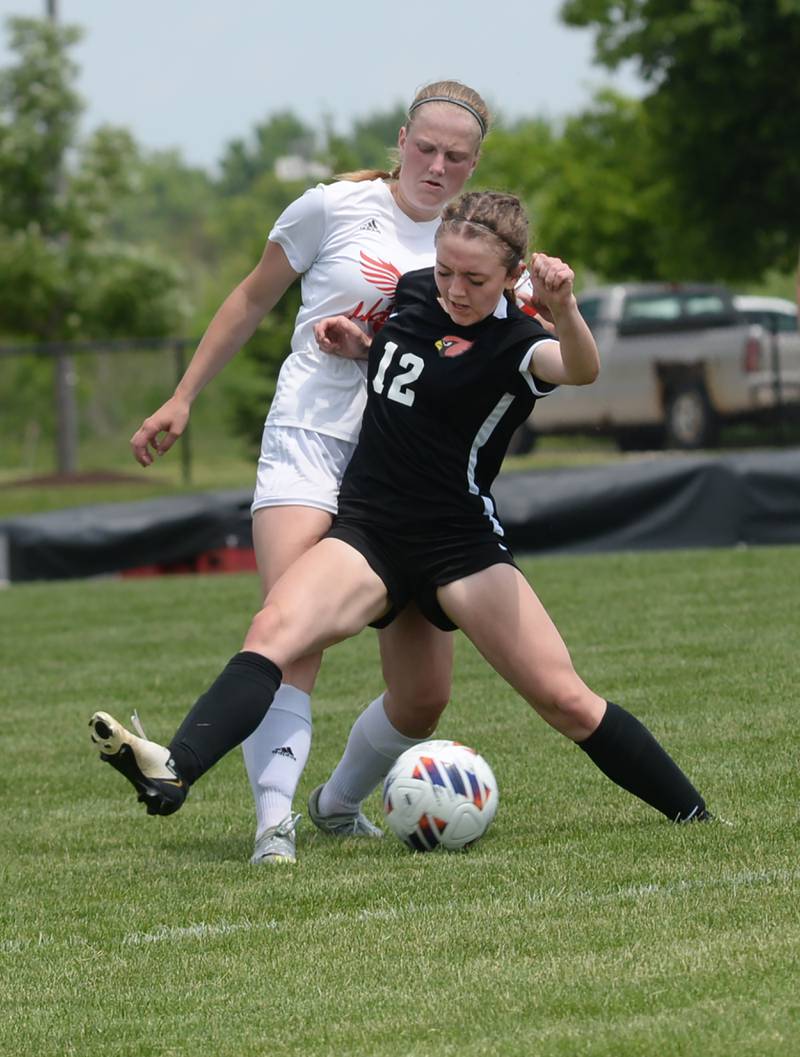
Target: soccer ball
440 794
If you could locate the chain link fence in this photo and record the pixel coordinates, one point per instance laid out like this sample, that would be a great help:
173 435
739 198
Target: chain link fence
67 407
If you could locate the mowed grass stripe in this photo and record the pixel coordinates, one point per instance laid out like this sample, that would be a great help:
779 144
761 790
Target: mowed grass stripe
548 900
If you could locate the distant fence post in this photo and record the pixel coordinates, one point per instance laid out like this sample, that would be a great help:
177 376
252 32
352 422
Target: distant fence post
66 412
186 446
777 386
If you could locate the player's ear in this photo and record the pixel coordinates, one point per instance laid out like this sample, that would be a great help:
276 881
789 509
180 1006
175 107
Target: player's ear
402 136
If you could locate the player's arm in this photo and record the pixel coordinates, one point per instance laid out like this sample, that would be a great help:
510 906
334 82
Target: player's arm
342 337
573 359
233 325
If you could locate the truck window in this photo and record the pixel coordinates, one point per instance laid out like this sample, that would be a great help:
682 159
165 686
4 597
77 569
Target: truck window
652 313
659 307
708 308
705 305
781 322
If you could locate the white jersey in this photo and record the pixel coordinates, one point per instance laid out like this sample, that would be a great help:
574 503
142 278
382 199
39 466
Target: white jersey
351 243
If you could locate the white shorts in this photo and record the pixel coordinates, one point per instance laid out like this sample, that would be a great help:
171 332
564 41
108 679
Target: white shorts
300 467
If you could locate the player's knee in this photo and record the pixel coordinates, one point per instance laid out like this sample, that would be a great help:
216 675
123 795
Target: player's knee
264 628
426 713
433 696
570 707
416 716
418 723
426 698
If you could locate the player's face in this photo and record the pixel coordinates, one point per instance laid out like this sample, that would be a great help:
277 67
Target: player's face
438 153
470 276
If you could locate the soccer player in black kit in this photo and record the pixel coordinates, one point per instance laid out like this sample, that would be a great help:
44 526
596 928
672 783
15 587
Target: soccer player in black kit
452 373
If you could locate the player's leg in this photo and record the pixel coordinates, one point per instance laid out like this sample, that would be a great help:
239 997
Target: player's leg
329 594
281 535
295 498
276 752
417 663
503 617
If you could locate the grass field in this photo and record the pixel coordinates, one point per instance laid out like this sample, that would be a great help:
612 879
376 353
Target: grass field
583 924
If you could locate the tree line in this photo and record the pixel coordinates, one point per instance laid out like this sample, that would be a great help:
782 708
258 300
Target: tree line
696 180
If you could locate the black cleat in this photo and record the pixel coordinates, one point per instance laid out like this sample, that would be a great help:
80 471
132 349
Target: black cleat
149 767
702 815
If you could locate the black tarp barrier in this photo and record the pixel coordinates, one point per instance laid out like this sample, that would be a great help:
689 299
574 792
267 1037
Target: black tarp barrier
658 502
114 537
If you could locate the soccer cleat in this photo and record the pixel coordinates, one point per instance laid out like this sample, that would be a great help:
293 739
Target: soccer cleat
703 815
351 824
709 816
277 844
149 767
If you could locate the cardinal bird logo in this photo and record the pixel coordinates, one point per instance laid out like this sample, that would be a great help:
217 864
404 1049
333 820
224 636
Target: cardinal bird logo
381 274
450 346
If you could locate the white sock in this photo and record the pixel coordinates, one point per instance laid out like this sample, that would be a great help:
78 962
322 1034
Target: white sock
372 748
275 755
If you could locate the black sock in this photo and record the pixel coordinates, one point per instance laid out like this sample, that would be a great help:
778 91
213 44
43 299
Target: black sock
626 751
227 713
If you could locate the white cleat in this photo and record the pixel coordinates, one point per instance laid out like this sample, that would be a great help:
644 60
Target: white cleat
148 766
353 824
277 844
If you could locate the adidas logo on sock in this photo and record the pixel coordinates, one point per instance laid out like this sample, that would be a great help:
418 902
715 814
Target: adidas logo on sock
370 225
284 750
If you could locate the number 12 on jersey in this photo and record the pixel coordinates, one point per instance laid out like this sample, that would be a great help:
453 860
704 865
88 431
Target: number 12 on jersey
400 390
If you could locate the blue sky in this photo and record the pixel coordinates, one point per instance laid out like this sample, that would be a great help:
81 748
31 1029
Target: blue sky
194 74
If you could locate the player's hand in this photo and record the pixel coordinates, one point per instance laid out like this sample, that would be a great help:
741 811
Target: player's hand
553 284
537 309
160 431
341 337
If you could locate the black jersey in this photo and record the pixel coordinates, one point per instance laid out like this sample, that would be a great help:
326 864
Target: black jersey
442 403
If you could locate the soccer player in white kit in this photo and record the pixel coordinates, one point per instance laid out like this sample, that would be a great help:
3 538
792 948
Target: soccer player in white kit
350 242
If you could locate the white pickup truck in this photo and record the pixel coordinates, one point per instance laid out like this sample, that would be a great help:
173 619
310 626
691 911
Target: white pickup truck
677 360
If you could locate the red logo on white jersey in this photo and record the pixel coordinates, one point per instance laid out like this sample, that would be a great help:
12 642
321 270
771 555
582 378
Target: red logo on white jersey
385 277
380 273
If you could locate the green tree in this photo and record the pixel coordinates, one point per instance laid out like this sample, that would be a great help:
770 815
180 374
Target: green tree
724 113
62 276
170 206
57 258
518 158
589 185
245 160
373 138
606 206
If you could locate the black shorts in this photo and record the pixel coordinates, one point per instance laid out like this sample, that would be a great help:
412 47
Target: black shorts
413 567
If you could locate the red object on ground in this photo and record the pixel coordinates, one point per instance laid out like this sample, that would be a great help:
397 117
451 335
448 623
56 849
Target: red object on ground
220 560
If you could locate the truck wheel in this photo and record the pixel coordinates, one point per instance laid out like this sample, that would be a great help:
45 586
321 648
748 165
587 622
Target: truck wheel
689 420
